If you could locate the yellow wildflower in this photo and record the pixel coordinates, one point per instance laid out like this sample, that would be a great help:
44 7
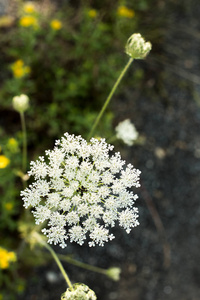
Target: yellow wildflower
123 11
19 69
13 145
56 24
92 13
8 206
28 21
6 258
6 21
29 7
4 161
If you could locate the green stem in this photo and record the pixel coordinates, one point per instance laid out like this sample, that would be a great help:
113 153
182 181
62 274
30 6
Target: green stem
55 256
24 153
82 265
109 97
59 265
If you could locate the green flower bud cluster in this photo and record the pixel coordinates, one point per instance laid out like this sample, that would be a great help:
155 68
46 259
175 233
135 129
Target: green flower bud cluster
136 47
21 103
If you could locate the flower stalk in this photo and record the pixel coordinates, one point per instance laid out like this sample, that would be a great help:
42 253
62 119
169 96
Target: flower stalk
110 97
41 241
24 151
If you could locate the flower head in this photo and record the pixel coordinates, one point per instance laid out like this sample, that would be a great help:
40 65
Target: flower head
28 21
56 24
6 258
79 291
92 13
136 47
113 273
123 11
19 69
21 103
82 192
127 132
29 7
4 161
8 206
6 21
13 145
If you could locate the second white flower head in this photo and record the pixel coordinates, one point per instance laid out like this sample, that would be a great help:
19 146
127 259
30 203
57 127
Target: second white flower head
127 132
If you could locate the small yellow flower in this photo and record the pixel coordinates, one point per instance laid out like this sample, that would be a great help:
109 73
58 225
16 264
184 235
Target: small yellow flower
19 63
8 206
56 24
28 21
29 7
19 69
6 258
92 13
6 21
123 11
12 145
4 161
12 142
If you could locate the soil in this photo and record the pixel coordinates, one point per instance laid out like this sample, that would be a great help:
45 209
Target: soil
160 259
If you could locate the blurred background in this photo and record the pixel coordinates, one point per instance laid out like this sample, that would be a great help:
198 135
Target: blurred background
65 56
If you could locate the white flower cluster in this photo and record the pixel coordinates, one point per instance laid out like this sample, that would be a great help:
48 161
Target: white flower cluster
79 291
82 191
127 132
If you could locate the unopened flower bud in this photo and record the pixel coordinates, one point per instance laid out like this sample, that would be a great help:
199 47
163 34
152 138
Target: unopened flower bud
136 47
21 103
79 291
114 273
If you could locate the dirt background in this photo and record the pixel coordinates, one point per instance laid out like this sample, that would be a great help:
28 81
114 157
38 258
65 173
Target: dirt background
157 263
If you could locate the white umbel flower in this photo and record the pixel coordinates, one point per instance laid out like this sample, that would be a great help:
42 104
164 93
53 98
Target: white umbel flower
127 132
82 191
79 291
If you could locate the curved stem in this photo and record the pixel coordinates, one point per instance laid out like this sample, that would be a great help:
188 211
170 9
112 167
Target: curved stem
24 153
55 256
59 265
109 97
82 265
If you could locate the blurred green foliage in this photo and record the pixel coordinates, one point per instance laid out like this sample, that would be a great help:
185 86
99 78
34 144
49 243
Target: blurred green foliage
66 60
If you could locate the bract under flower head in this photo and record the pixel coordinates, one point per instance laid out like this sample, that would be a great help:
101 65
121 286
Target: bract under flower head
136 47
82 191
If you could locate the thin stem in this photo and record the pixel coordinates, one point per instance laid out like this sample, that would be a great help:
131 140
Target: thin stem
109 97
55 256
59 265
82 265
24 153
